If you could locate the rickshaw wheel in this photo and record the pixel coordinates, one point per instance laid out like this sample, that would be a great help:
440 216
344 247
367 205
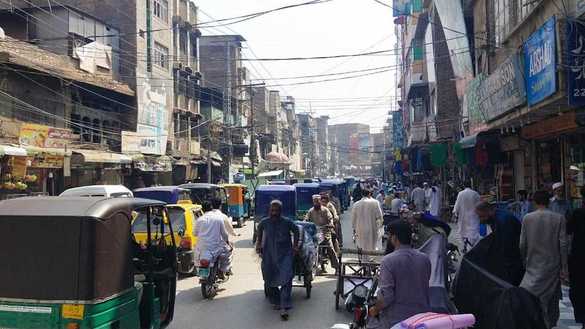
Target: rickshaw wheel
308 287
339 289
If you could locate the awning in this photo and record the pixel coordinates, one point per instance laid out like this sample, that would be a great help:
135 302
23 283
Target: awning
34 150
94 156
468 141
12 150
161 163
271 173
215 163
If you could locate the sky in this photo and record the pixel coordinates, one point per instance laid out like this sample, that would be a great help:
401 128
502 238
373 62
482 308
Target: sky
332 28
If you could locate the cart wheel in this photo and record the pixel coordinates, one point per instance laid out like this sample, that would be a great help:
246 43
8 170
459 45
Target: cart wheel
339 290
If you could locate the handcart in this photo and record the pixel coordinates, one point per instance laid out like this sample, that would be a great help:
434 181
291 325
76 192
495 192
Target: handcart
358 271
305 262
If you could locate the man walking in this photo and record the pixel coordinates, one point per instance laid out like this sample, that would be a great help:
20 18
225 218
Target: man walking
323 218
558 203
404 281
276 249
467 221
543 245
576 227
434 206
366 218
418 196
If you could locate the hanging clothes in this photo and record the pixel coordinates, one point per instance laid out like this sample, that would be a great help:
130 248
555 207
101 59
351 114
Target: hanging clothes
439 155
459 152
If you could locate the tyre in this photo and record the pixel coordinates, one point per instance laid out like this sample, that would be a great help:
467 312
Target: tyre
208 290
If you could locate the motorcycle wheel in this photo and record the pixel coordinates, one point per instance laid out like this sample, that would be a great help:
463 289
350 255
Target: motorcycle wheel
208 290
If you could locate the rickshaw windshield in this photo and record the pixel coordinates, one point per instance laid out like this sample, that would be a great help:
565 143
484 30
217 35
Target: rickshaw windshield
200 195
139 223
177 217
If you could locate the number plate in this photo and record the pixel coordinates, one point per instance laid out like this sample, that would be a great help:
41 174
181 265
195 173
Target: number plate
203 272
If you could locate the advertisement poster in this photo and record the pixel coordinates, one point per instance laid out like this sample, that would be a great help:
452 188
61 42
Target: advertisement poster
44 136
153 123
540 63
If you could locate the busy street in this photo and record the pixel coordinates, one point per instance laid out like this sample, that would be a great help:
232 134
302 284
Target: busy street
292 164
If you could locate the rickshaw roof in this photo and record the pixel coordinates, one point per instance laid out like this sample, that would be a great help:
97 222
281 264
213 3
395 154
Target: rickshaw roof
101 208
234 185
332 181
314 185
171 189
199 186
275 188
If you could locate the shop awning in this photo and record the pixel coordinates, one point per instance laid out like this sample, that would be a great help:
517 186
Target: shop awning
34 150
147 163
271 173
94 156
12 150
468 141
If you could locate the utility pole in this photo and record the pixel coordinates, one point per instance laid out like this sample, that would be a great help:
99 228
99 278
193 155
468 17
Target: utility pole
252 125
228 95
209 163
148 37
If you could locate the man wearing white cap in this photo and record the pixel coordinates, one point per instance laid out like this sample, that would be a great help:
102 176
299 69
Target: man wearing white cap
558 203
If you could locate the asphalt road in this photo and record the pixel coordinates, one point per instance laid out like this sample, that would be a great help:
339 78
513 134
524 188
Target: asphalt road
241 305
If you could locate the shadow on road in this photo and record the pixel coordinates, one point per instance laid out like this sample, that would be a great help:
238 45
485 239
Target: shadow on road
251 310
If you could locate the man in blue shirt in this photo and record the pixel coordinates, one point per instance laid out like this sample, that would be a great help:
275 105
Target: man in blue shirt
558 203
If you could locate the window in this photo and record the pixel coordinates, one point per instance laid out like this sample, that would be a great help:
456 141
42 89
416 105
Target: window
161 55
502 20
525 7
161 9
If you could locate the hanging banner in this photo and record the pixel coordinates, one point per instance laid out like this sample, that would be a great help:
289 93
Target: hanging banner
575 50
153 121
44 136
540 63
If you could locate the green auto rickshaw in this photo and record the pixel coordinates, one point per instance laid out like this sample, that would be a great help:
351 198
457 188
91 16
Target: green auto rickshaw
72 263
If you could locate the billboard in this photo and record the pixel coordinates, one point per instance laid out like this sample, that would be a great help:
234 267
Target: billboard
540 63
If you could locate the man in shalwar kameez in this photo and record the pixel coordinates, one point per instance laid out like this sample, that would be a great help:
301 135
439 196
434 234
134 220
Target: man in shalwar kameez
275 246
366 219
543 244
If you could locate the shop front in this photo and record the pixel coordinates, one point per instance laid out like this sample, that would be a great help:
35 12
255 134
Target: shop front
150 170
94 167
13 172
47 169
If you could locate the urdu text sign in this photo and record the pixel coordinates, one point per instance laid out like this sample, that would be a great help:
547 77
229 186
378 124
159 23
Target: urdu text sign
540 63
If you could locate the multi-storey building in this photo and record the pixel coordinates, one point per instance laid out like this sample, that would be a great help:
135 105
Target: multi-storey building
352 148
308 141
322 150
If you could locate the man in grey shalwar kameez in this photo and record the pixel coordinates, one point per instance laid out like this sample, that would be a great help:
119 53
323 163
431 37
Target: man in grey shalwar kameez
277 250
543 244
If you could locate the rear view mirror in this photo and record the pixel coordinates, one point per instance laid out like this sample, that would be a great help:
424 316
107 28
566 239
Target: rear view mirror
181 232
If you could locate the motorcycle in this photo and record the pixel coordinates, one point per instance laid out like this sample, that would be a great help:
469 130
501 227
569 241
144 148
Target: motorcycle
359 302
453 255
210 276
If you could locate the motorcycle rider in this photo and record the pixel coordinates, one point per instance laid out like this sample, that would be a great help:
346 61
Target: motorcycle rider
323 218
212 237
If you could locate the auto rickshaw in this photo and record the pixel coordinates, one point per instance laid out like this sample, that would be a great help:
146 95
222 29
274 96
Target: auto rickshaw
90 273
333 186
205 192
168 194
265 194
305 192
236 202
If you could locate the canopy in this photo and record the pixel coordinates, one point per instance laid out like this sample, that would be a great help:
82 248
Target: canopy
94 156
12 150
468 141
33 150
271 173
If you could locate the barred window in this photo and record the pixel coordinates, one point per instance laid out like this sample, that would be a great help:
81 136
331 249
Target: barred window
161 55
502 20
161 9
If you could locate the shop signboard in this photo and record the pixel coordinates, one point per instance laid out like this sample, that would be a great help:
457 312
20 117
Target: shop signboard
400 8
47 161
146 140
540 63
575 50
44 136
502 90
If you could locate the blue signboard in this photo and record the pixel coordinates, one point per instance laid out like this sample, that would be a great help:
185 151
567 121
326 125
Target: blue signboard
540 63
400 8
576 60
